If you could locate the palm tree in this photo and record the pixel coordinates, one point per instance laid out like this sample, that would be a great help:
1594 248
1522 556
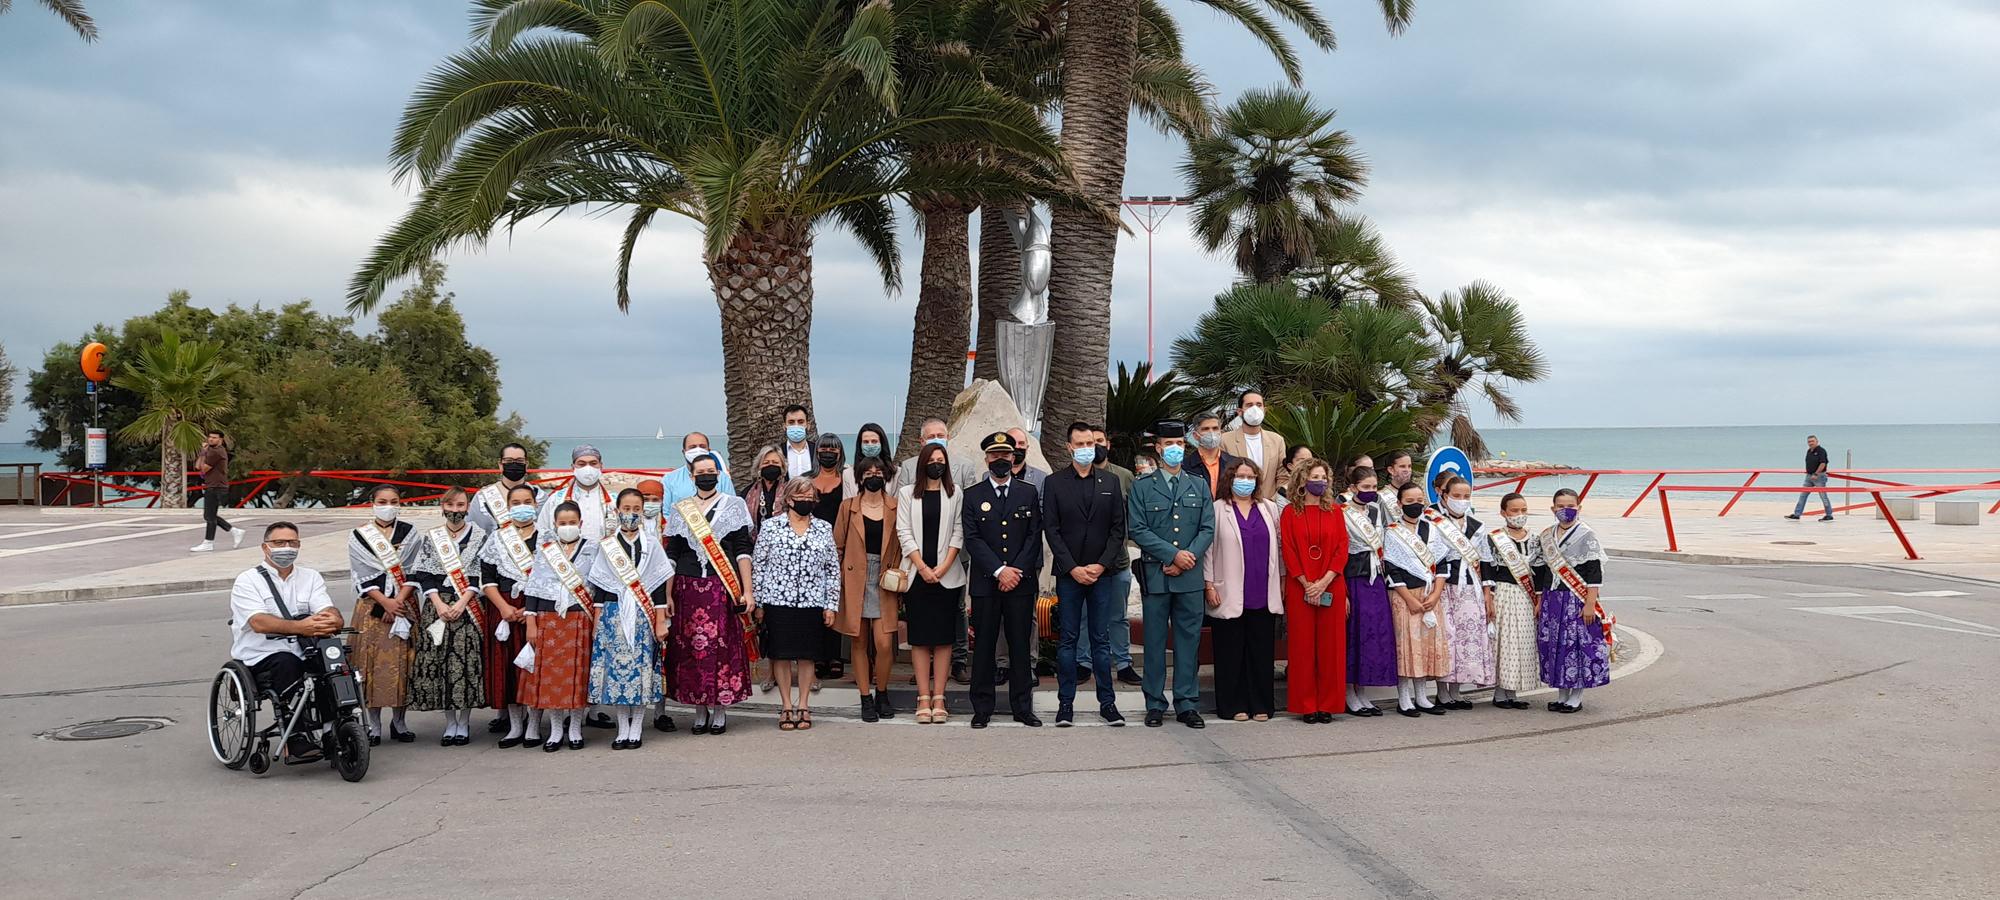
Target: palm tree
1238 344
182 386
1374 354
1134 401
1098 69
72 14
1482 345
1350 263
1338 429
760 120
1267 179
1297 348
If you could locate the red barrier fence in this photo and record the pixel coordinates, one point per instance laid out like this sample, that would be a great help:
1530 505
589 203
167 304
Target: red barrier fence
1519 478
1875 493
88 482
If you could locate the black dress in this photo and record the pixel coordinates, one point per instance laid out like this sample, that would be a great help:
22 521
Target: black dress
931 610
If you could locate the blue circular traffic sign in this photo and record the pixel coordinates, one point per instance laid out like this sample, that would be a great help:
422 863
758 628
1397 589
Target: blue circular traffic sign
1446 459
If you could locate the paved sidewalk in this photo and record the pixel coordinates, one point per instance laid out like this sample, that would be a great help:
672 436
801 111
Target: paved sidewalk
1758 532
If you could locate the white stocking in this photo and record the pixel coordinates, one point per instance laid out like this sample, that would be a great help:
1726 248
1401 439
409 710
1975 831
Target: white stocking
701 717
716 718
575 725
374 722
1403 690
516 720
1354 698
534 723
1419 691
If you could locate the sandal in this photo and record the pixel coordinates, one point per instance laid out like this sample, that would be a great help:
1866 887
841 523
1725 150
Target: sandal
923 710
805 721
785 721
938 715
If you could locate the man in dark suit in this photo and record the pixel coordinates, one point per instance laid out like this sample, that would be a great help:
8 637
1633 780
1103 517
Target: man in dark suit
1083 517
1003 533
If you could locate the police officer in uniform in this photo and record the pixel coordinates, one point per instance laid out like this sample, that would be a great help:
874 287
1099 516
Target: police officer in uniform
1171 517
1003 534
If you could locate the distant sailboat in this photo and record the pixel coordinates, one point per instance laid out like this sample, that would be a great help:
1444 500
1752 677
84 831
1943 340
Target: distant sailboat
661 435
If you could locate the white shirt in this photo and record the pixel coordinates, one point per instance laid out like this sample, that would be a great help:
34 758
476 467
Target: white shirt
800 462
304 594
595 505
1253 447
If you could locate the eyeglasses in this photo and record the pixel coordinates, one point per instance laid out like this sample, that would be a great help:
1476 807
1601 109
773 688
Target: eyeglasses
281 544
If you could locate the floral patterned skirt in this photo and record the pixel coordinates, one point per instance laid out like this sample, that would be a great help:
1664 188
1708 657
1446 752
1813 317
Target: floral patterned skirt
1371 633
1573 651
1422 651
707 658
1518 665
381 658
1464 610
448 675
624 674
561 679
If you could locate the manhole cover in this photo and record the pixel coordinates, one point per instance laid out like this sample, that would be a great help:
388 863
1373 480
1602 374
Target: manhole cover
106 729
1795 543
1681 609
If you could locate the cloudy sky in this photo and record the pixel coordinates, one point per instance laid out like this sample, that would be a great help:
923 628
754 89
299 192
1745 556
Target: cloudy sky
1773 212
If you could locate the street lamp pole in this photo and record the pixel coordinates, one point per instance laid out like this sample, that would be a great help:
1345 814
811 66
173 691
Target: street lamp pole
1151 213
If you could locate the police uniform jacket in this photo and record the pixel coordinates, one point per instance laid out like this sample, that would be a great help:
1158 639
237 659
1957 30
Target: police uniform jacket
1002 532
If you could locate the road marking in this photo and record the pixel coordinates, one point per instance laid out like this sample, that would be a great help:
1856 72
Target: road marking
16 534
1634 599
1818 595
1930 593
23 551
1875 614
1727 597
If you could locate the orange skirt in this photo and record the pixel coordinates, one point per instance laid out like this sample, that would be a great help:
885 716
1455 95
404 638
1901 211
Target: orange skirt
561 679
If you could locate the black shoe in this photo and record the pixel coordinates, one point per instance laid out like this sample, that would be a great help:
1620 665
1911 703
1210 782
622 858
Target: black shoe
635 743
1826 518
960 673
402 737
1502 704
1793 516
868 713
717 730
1553 706
1029 719
1155 718
497 726
461 740
1460 705
1432 710
979 720
445 741
1065 716
882 707
1112 716
528 743
1568 709
1044 669
619 744
601 720
1409 712
664 723
1521 704
698 728
375 740
1084 674
1000 677
552 746
1129 677
576 744
507 742
1191 719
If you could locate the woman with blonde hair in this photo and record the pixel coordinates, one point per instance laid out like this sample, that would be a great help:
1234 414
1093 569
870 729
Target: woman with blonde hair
1313 534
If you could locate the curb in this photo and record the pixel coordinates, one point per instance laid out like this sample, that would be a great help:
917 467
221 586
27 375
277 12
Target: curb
129 591
1716 559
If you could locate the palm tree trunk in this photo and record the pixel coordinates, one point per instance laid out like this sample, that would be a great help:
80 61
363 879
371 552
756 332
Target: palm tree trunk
943 320
763 288
1100 39
999 281
173 472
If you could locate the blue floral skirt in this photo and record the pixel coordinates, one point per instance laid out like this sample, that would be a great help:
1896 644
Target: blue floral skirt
624 674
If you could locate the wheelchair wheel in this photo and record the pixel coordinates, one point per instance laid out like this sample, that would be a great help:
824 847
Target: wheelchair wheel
232 715
260 758
350 749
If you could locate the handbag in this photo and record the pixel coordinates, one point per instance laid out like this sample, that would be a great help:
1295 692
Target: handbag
896 580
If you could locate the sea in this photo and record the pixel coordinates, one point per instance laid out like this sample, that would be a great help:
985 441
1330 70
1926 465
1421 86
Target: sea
1778 448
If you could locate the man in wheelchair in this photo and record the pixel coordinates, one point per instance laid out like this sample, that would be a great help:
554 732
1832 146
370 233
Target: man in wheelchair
272 606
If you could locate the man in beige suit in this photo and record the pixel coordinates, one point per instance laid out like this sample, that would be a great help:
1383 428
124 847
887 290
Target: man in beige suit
1252 441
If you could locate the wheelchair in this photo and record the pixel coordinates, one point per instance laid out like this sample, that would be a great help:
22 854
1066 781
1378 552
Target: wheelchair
325 711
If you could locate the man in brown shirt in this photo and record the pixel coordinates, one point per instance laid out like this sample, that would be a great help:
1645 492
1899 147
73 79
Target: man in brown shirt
213 464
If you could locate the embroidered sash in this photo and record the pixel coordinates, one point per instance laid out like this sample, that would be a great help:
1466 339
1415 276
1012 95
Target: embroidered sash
495 502
385 554
710 547
517 550
571 581
1453 535
454 568
614 553
1416 545
1357 523
1510 556
1559 564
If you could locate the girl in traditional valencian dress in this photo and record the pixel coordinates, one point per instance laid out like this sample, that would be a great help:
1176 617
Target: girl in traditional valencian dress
1569 567
505 563
1371 627
1468 613
560 622
380 554
1510 593
1413 548
708 656
447 672
629 582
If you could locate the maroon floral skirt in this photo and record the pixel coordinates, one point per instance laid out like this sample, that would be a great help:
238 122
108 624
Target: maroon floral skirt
707 662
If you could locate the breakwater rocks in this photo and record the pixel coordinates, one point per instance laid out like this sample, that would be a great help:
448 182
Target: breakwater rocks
1522 465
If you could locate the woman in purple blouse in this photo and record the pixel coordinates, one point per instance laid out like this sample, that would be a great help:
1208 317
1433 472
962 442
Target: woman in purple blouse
1245 587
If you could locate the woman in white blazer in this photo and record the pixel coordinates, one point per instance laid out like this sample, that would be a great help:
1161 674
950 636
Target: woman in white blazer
928 526
1245 586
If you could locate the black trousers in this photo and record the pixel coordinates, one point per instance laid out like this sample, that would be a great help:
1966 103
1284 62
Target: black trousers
282 671
1244 672
211 512
1010 615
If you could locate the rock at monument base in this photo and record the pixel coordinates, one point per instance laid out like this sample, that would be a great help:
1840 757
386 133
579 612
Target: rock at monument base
980 410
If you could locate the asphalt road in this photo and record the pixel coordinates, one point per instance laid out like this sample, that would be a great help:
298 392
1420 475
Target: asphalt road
1769 752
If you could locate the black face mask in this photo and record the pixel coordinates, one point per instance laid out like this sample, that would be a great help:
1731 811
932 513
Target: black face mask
1412 510
872 483
934 470
829 460
1020 458
1098 459
514 470
770 473
707 481
454 517
804 507
1001 468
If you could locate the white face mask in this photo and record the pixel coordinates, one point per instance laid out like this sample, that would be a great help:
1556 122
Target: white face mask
1253 416
587 475
1457 507
694 453
569 534
1520 521
386 513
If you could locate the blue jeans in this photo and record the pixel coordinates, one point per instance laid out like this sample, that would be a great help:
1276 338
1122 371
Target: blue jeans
1121 626
1081 602
1813 481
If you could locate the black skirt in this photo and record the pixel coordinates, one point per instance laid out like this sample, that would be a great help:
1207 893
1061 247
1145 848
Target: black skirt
793 632
930 611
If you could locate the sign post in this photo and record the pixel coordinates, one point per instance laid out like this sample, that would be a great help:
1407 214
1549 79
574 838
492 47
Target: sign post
96 444
1447 459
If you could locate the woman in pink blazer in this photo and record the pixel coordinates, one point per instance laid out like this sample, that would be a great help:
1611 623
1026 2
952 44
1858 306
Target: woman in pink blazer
1245 586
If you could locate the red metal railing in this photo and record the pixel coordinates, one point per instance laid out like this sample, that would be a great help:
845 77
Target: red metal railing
1519 478
263 479
1875 494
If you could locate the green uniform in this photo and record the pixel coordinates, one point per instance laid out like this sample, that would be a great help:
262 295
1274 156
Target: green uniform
1165 515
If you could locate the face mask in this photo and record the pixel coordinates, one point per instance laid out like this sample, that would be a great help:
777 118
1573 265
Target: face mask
804 507
1316 488
871 450
795 433
569 534
587 475
707 481
283 557
631 521
514 470
1254 416
694 454
1412 510
1458 507
1001 468
1020 458
1084 456
770 473
828 460
385 513
1244 487
1566 515
1209 440
523 513
1173 455
873 483
934 470
1520 521
1366 496
936 442
652 509
454 518
1097 455
1142 471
